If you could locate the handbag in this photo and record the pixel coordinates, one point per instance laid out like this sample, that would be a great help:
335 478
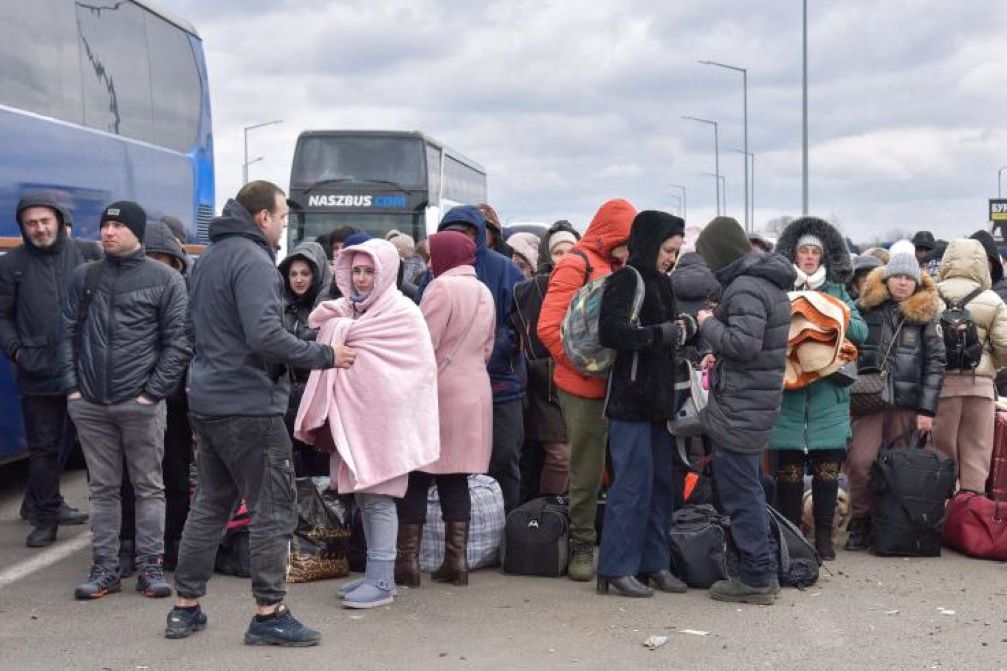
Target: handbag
871 393
687 422
847 375
976 525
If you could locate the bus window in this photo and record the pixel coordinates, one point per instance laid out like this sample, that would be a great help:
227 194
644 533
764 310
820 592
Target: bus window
360 159
175 85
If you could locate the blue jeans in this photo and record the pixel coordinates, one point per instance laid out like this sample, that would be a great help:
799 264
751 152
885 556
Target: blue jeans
738 479
381 525
640 500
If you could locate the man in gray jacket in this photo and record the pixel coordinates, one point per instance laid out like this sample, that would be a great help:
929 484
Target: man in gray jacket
124 350
238 389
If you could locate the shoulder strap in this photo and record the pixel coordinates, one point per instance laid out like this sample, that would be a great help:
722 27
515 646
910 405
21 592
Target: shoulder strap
972 296
895 338
91 278
587 264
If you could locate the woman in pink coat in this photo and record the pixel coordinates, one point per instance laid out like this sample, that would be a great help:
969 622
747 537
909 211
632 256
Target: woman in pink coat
462 320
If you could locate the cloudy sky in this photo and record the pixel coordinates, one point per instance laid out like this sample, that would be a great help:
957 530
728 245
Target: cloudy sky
570 103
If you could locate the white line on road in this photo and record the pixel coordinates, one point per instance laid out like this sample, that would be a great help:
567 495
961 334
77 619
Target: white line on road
47 558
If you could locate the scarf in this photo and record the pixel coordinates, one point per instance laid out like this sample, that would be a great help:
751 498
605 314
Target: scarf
806 282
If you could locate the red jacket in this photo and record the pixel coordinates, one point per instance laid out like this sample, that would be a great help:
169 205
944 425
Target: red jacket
609 229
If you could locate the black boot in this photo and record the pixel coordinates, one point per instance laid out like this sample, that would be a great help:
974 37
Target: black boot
824 491
790 492
860 533
407 558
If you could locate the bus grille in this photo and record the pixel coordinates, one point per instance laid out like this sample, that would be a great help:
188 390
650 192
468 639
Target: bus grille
203 216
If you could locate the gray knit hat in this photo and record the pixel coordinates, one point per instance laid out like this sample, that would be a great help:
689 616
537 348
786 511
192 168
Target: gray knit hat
903 261
810 240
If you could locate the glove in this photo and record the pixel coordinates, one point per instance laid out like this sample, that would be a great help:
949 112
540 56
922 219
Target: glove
689 326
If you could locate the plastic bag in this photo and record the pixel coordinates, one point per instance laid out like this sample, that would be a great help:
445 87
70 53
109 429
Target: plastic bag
320 547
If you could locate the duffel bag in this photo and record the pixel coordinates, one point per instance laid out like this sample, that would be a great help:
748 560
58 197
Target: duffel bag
486 526
976 525
698 543
536 538
911 486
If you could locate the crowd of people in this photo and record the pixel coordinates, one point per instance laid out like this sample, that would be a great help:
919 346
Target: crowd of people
393 366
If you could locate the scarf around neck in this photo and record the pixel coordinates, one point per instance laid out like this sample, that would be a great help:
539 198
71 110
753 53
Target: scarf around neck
813 281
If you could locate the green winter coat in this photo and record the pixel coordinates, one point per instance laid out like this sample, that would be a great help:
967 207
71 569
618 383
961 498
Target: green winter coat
817 417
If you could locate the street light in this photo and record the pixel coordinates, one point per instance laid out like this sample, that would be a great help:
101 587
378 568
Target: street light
722 188
804 116
677 198
685 205
716 152
751 202
744 83
244 166
1000 173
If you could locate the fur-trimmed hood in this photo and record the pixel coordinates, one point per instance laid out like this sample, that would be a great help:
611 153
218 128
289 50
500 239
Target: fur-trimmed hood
920 308
835 256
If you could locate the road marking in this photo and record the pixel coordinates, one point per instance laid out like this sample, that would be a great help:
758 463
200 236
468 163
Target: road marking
46 558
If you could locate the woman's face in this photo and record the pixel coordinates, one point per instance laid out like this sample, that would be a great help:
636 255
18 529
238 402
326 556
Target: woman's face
299 277
559 249
901 287
809 258
363 279
668 252
526 269
621 253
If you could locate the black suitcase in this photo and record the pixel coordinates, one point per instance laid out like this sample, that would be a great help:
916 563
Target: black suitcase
911 487
536 538
698 542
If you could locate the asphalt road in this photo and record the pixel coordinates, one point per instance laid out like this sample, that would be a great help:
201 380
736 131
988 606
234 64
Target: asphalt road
869 613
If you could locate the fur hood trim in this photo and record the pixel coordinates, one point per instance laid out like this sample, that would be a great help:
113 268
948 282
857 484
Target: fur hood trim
836 256
920 308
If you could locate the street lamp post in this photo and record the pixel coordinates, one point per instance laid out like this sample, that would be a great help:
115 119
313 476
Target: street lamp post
677 198
685 204
750 201
804 122
1000 173
716 152
722 188
244 166
744 83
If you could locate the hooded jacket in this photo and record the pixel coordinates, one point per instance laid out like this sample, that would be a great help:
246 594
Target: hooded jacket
748 334
158 239
963 270
32 286
642 380
696 288
500 275
297 308
133 339
608 230
242 349
916 363
817 416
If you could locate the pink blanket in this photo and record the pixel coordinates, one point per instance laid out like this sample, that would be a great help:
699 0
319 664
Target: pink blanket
382 411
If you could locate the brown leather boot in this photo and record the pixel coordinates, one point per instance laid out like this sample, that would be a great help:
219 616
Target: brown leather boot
455 568
407 557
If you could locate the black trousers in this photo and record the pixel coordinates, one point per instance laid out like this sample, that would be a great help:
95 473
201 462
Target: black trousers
46 424
453 490
505 460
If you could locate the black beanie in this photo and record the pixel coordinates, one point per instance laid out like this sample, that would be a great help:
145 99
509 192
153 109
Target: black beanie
127 213
722 242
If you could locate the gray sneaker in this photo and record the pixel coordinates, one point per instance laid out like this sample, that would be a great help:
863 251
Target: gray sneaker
738 592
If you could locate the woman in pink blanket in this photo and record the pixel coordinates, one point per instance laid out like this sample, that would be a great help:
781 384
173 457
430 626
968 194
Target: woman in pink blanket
378 413
462 320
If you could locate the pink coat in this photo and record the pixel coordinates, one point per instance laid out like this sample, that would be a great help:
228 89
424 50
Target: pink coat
381 412
462 320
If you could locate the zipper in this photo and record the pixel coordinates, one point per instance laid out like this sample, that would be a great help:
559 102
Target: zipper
109 331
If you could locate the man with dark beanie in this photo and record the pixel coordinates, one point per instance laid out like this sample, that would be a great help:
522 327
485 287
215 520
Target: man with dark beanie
747 333
124 350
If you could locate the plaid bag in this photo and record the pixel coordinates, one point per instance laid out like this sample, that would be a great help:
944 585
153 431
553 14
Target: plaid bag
485 529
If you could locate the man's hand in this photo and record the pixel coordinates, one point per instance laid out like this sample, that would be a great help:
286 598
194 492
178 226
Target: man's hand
74 396
344 356
142 399
924 424
702 316
707 361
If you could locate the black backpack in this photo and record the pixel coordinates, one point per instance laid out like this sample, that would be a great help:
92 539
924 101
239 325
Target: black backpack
796 561
962 346
698 544
528 297
536 538
911 487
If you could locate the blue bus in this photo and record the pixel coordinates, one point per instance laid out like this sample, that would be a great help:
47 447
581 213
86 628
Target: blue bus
377 181
99 101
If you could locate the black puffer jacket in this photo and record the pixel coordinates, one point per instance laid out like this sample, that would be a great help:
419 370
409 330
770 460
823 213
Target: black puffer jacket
642 382
916 363
242 349
748 335
32 285
696 288
133 339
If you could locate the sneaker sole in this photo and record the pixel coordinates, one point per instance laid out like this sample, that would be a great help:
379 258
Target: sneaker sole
360 605
255 639
97 595
343 595
754 599
168 633
154 595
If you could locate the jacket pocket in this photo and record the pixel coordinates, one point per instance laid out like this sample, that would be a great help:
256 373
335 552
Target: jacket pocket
35 358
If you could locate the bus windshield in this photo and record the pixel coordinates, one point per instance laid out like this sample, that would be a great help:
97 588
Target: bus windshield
309 225
398 160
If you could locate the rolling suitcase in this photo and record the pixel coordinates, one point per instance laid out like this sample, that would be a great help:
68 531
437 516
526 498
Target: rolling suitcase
997 483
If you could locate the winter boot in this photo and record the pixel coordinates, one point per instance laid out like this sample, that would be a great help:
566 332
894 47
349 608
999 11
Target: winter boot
860 532
348 587
455 568
376 590
407 559
581 567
